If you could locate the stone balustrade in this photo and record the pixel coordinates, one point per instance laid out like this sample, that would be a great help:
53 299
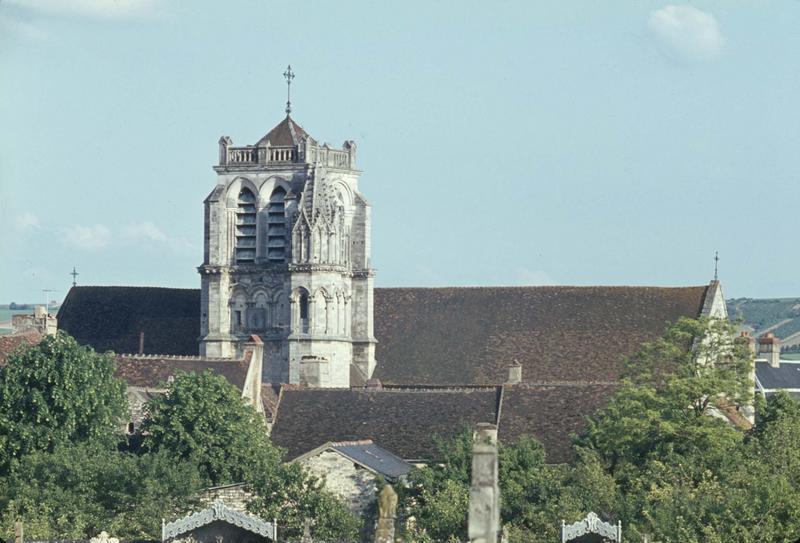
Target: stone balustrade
309 153
242 155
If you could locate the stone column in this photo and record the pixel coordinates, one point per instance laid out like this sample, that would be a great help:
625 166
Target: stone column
484 493
387 506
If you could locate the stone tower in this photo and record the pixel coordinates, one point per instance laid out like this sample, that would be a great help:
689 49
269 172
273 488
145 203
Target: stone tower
287 258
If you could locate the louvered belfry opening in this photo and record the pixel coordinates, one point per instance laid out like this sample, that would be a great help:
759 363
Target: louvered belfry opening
246 227
276 226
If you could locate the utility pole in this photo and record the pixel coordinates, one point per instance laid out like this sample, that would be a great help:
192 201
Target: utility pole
47 292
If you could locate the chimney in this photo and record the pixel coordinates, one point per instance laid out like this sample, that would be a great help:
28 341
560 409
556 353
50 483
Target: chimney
750 340
374 384
769 348
514 373
141 342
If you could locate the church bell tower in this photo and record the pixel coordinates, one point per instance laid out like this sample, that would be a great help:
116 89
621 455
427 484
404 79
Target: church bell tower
287 258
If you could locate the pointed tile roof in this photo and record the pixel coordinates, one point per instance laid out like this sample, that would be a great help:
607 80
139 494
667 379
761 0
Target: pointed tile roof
450 336
287 133
111 318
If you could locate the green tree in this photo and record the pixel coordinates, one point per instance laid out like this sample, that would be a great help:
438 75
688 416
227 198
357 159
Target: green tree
659 457
56 393
435 502
671 386
535 495
291 495
76 491
683 472
203 419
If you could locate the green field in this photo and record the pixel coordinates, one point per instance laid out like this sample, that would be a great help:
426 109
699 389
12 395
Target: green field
780 316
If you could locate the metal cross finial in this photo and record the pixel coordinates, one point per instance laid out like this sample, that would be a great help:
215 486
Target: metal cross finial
716 265
74 275
289 75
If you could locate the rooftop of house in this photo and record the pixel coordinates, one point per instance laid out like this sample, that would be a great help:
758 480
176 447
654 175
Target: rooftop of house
405 421
153 371
410 421
10 343
559 334
434 336
112 318
785 376
441 355
366 454
552 414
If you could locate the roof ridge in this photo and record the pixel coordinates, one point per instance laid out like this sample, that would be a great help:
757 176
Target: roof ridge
82 287
522 287
192 357
351 443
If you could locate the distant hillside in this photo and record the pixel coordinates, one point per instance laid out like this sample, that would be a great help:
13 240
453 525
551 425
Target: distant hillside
780 316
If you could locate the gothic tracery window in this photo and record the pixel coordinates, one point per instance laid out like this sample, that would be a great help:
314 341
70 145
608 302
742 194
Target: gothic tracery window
246 227
276 226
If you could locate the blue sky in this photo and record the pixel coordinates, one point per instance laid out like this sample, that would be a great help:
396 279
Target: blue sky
502 143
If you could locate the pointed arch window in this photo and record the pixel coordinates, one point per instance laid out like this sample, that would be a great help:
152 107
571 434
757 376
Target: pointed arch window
246 227
303 312
276 226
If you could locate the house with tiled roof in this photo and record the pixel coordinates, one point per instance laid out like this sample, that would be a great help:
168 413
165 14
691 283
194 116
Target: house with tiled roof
774 373
9 343
287 259
354 470
149 375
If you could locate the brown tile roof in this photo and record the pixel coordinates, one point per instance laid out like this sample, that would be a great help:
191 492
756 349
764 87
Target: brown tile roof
10 343
110 318
270 395
403 421
559 334
286 133
551 414
152 371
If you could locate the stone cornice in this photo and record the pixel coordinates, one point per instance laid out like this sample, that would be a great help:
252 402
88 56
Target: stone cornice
366 272
319 267
295 167
249 168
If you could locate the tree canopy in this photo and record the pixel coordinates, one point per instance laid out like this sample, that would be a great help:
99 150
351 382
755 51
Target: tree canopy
662 457
203 420
57 393
76 491
68 474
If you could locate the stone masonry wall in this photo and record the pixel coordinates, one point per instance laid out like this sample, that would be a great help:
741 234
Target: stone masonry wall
356 486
